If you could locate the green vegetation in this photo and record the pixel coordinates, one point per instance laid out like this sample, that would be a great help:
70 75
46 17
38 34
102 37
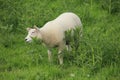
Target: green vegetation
98 53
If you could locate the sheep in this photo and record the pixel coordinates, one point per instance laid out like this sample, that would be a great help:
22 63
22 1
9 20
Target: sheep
53 32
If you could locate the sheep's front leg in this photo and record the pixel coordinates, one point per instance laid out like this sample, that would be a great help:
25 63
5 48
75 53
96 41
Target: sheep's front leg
60 57
49 56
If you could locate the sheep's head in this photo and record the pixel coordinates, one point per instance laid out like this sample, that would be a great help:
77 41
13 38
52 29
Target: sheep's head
32 33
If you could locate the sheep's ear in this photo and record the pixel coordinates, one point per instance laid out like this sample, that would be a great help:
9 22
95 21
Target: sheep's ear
35 27
28 29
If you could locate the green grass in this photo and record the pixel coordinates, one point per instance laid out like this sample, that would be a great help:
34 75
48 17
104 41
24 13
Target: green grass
98 54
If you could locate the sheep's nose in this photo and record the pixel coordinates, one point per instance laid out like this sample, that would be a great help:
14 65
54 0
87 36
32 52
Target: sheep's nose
25 39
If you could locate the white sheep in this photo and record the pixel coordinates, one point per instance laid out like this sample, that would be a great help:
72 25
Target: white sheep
53 32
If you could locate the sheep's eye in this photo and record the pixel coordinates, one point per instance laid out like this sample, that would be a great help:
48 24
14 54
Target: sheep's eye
33 32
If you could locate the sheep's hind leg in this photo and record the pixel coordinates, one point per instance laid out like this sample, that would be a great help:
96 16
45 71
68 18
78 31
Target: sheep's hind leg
60 57
49 56
60 52
68 48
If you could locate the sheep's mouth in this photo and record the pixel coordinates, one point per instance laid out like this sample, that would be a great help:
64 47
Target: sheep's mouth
27 40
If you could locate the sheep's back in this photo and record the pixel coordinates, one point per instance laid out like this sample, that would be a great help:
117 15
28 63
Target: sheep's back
68 21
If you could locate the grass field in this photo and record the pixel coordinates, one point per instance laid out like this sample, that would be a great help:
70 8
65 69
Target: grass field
98 54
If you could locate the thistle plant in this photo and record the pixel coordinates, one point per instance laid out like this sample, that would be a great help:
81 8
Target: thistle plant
73 37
